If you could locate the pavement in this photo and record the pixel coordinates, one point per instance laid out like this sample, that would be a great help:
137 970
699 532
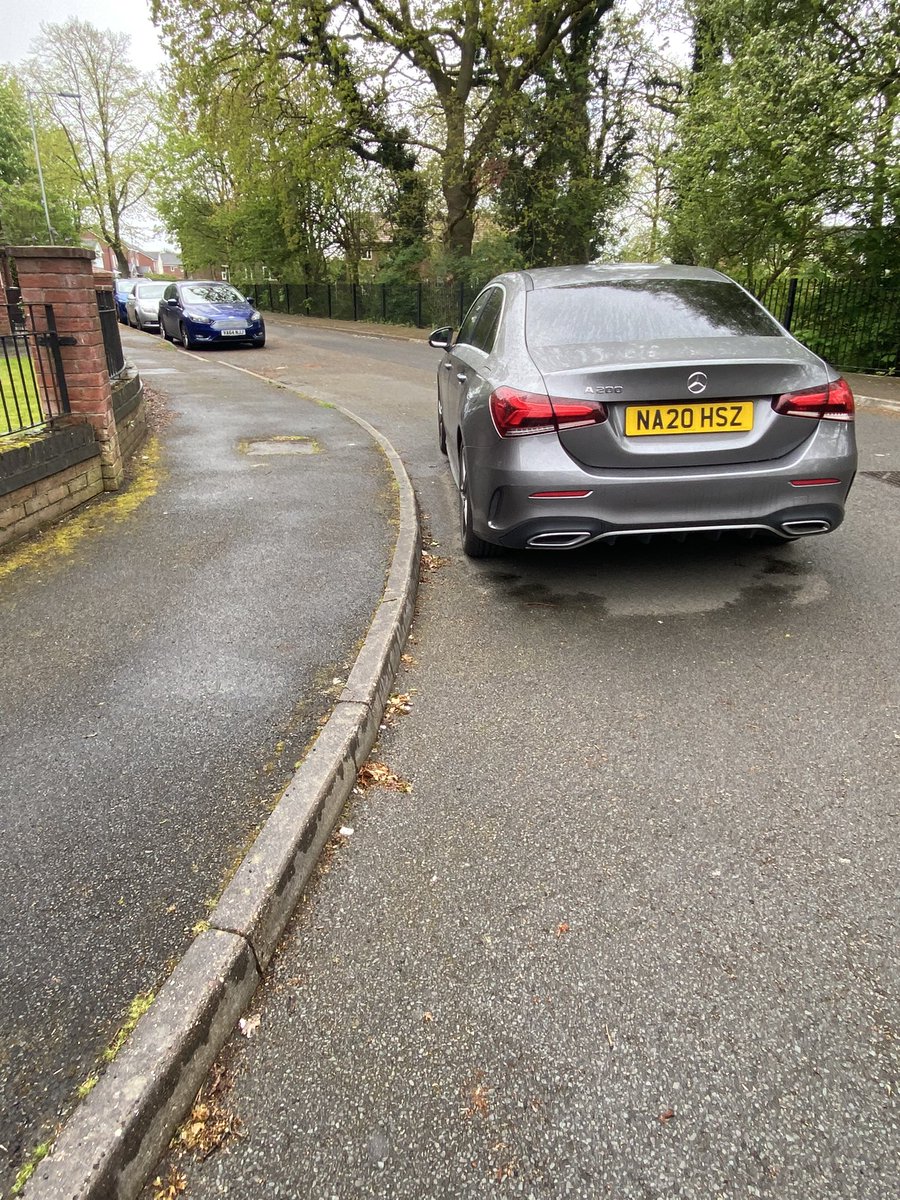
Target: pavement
166 657
632 932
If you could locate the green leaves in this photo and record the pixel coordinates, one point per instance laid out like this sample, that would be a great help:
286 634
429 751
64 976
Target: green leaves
773 140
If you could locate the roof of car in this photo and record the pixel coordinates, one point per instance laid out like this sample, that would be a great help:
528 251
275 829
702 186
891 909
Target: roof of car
553 277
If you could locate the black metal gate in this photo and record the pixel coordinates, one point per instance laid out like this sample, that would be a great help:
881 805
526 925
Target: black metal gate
109 325
32 380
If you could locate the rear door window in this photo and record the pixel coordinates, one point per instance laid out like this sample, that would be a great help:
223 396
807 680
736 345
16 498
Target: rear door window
467 329
485 331
643 310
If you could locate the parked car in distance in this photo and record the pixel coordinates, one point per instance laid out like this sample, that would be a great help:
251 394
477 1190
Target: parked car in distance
122 289
584 404
200 312
142 305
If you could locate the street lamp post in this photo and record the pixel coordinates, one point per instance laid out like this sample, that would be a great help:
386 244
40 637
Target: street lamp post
37 153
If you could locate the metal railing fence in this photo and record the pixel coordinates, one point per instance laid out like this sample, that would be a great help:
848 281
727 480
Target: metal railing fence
109 324
425 305
32 380
853 324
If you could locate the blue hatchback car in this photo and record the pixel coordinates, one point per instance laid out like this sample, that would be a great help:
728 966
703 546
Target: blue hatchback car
200 312
122 289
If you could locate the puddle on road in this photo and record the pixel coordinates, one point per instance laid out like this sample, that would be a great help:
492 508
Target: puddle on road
629 583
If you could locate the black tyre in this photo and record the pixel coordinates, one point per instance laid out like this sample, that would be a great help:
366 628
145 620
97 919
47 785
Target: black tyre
185 337
473 546
442 432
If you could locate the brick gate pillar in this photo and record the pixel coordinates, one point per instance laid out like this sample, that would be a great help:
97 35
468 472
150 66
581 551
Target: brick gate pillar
63 276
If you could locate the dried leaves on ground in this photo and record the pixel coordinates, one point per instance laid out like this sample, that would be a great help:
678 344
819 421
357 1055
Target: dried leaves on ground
379 774
398 705
171 1187
432 562
211 1123
478 1097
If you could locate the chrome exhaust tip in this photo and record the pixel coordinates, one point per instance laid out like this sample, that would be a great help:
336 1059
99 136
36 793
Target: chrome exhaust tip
564 540
803 528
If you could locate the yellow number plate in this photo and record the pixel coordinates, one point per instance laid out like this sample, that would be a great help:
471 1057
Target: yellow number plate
642 420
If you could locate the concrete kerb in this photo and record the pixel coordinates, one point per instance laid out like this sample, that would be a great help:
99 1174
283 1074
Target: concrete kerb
112 1141
877 402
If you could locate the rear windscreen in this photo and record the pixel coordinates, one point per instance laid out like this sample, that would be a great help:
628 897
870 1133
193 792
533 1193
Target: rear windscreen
643 310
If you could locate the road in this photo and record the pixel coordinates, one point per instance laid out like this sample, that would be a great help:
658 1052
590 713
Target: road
163 664
632 933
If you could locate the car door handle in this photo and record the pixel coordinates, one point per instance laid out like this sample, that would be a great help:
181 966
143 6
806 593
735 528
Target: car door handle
448 366
461 376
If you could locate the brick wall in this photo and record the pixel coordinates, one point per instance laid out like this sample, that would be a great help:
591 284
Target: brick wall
34 505
63 276
43 476
46 475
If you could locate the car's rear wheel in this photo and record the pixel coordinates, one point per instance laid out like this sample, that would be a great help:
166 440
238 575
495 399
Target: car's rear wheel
472 544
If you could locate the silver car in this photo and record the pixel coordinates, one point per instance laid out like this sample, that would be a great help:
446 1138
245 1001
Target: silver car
142 306
583 404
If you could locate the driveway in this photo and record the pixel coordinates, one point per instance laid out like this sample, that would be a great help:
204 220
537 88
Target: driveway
633 931
164 660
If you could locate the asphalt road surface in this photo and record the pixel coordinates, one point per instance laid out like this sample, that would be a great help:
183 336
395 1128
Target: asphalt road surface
160 676
632 933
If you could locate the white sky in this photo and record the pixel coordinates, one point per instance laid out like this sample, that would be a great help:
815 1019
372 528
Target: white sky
21 25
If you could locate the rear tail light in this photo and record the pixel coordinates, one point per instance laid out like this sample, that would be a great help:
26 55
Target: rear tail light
516 413
833 402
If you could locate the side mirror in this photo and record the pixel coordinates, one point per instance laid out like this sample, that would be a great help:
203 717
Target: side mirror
250 300
442 339
173 300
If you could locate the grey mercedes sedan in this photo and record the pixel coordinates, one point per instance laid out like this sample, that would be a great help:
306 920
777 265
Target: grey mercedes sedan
580 404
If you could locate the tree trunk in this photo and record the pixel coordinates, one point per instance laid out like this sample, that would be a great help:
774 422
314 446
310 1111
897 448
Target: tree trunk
459 188
460 228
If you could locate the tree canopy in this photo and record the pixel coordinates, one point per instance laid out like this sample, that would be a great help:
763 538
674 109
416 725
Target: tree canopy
106 113
22 216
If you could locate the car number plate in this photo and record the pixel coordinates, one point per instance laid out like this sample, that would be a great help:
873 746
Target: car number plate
645 420
232 332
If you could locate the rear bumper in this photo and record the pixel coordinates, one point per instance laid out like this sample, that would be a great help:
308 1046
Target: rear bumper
626 502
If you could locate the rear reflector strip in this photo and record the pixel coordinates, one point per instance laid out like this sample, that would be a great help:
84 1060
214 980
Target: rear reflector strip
553 495
812 482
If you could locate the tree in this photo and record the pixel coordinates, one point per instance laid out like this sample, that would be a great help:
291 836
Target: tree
788 130
107 119
258 178
22 217
565 157
465 62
